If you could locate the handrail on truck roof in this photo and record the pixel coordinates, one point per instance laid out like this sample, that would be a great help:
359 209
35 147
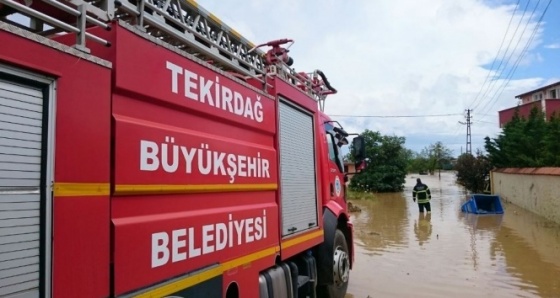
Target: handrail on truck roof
183 24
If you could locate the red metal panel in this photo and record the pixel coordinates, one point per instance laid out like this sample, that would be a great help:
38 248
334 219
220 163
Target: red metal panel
81 247
154 247
155 153
295 245
226 149
153 71
323 165
247 277
80 225
294 95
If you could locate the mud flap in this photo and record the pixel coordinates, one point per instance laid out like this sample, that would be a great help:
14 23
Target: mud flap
307 266
350 241
324 251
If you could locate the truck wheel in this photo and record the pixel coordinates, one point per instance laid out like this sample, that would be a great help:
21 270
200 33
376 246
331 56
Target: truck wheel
341 269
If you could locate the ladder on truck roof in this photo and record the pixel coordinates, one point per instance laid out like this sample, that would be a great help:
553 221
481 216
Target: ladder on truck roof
180 23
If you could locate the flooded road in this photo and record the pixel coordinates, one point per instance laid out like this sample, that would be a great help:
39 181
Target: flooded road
400 253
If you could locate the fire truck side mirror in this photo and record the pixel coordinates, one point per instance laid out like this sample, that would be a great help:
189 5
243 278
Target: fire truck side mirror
359 149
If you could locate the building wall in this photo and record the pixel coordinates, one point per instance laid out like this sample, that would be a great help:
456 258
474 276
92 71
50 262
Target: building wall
534 189
524 110
550 106
550 92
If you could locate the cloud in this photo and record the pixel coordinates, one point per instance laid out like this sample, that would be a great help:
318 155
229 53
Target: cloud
553 46
398 58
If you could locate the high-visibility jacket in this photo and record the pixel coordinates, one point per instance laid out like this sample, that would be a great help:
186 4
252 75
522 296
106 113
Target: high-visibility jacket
422 193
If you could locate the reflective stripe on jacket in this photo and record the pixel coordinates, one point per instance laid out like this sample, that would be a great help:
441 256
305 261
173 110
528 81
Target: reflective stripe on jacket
422 193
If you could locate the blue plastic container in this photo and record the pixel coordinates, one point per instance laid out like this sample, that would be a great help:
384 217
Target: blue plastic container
483 204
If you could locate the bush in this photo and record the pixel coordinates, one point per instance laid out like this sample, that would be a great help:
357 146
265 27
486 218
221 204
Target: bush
472 171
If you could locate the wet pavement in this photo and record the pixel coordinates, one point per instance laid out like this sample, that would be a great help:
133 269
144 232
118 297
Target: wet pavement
400 253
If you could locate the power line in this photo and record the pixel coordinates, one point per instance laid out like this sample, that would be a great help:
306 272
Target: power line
494 99
488 115
507 61
395 116
497 53
488 92
487 122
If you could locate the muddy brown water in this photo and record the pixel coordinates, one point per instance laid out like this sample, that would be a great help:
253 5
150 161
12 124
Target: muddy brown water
400 253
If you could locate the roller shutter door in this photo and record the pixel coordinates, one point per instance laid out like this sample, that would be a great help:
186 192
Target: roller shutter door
21 110
297 174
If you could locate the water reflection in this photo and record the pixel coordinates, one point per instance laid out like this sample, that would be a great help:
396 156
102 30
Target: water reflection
381 224
423 227
480 226
531 247
401 253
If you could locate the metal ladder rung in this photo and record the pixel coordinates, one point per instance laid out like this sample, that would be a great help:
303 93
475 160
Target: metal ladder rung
181 34
182 24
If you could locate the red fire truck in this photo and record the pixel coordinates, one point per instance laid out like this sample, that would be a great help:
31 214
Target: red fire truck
149 150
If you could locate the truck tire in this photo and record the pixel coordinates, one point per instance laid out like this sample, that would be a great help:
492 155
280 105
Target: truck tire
341 269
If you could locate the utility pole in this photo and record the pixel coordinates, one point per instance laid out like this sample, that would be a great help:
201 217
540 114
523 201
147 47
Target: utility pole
468 123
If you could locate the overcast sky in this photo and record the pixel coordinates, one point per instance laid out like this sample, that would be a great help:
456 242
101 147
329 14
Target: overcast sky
413 58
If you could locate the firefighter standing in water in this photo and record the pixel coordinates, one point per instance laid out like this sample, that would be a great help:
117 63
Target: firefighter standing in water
422 192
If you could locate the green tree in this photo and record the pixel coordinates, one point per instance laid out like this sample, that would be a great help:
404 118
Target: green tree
535 131
417 163
472 171
386 170
552 143
523 142
438 155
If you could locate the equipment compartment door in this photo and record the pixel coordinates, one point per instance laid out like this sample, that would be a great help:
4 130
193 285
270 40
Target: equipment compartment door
297 170
23 194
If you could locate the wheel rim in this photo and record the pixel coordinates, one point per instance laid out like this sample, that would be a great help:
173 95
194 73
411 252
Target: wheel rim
341 268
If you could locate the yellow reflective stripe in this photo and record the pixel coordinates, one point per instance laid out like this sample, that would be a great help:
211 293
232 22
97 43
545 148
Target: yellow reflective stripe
67 189
298 240
193 3
190 188
208 274
183 283
236 34
61 189
215 19
250 258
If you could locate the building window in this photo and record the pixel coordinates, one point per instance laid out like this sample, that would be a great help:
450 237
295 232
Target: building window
553 94
537 96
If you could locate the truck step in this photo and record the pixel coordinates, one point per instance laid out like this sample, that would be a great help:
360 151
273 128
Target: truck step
307 277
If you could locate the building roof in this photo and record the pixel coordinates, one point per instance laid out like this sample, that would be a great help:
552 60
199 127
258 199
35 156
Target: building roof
539 89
